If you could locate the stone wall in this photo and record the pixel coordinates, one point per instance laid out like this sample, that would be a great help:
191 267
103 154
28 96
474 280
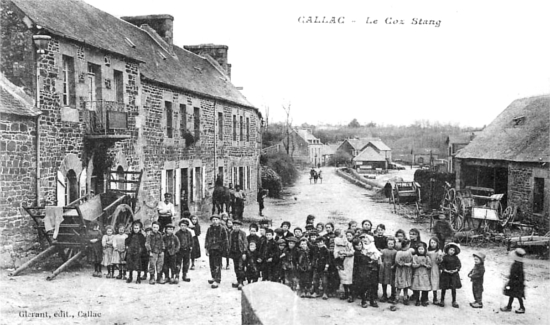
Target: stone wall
520 191
17 185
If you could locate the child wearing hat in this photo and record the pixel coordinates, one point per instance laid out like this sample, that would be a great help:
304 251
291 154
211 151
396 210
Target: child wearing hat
515 288
238 246
450 279
476 275
171 248
136 245
285 226
155 248
303 266
276 273
421 276
253 233
147 230
320 259
107 242
269 251
289 262
216 245
183 256
443 230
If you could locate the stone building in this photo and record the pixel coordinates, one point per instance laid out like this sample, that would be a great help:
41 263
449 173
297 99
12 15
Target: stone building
512 157
118 95
355 146
18 170
302 145
454 144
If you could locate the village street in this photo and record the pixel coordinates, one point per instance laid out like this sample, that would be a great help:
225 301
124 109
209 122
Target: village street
334 200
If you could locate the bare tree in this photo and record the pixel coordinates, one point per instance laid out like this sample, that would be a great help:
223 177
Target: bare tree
287 127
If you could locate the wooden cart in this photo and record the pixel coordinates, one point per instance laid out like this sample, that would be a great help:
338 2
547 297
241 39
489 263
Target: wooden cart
69 237
405 197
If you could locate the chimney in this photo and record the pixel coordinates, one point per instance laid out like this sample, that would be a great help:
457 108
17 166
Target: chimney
216 52
162 24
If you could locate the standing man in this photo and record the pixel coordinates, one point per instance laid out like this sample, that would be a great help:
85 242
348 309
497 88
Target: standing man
216 245
184 205
165 211
231 200
240 198
261 196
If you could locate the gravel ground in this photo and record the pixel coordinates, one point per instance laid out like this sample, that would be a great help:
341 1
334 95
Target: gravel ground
75 297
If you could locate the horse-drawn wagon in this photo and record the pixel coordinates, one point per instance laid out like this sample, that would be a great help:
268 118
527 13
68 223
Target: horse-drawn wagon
65 228
405 197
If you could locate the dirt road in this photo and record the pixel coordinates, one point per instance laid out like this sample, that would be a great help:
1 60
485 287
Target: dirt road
75 294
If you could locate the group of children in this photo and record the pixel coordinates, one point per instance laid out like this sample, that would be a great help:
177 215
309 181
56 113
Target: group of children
146 250
315 262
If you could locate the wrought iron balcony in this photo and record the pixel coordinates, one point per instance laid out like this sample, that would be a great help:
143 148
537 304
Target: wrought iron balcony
106 119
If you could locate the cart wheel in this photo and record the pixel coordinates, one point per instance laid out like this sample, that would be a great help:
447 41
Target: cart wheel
449 196
457 220
123 215
508 216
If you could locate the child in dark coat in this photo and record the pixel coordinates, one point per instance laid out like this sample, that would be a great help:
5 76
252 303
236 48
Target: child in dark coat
252 264
450 279
365 275
136 246
289 262
320 259
515 288
171 248
96 249
276 272
268 252
304 268
476 275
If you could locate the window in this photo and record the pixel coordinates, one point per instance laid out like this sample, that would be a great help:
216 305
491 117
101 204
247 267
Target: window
220 173
183 120
197 123
118 86
234 128
220 126
241 178
538 195
69 98
247 129
241 129
248 177
72 186
168 112
170 181
121 177
94 85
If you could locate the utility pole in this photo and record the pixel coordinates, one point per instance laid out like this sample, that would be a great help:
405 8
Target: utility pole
287 111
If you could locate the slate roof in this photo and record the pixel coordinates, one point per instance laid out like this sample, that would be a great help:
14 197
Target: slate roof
306 134
79 21
13 100
520 133
330 149
380 145
360 143
369 154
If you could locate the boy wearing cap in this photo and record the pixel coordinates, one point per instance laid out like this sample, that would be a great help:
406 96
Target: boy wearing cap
320 258
171 248
298 233
253 236
277 264
165 211
269 251
237 251
183 256
476 275
155 249
216 245
289 262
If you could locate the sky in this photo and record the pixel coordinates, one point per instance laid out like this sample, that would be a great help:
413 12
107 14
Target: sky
466 71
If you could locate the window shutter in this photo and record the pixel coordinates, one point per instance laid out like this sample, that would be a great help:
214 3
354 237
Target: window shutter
162 184
60 189
203 186
178 187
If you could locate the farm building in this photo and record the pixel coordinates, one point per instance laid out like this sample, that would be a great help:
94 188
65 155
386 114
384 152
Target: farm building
512 157
369 159
454 144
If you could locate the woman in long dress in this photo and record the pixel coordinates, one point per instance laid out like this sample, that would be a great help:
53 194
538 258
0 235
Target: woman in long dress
196 252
